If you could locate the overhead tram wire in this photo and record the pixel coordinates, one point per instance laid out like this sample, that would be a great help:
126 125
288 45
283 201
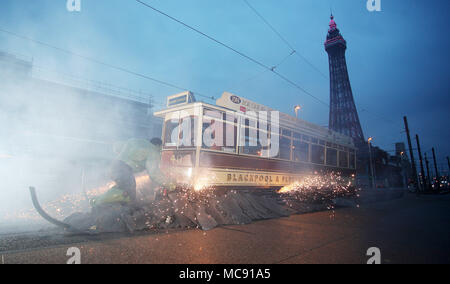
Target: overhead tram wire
103 63
235 51
263 72
288 44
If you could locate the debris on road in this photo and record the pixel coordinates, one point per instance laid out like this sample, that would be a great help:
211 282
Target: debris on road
184 209
210 207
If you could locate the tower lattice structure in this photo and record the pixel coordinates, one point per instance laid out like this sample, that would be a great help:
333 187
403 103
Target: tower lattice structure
343 113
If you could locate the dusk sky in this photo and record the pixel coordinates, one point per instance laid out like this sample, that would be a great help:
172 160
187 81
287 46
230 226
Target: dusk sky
398 58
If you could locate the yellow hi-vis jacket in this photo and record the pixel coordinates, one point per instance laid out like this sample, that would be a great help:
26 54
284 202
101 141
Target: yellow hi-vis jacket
141 155
114 195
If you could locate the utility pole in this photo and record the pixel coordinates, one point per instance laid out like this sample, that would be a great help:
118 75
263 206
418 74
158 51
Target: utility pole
438 176
448 162
428 172
422 171
413 162
370 161
435 165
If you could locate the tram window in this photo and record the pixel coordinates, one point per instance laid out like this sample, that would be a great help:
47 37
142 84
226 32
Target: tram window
223 131
216 135
230 137
286 132
317 154
252 145
212 130
251 122
251 150
213 113
285 148
343 159
301 151
261 126
184 143
352 161
331 157
230 132
169 128
230 117
297 136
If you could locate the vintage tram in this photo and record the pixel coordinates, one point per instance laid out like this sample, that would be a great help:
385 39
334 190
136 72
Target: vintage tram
238 143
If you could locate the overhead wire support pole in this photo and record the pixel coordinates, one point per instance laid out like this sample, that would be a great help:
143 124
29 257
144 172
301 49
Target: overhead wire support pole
411 153
427 163
371 165
422 171
435 163
448 163
438 176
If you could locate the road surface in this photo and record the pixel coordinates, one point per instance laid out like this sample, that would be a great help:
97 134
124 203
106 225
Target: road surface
413 229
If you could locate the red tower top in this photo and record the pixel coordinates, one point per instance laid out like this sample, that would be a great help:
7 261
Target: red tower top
335 41
333 25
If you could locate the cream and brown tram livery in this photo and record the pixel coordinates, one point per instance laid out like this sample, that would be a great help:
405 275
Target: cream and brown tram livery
239 143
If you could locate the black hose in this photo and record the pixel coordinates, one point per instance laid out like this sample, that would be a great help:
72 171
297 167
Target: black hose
44 214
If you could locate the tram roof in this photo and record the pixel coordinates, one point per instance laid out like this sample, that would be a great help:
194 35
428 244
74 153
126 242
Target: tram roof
229 102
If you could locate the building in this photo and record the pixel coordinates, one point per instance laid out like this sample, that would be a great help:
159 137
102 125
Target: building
400 149
59 135
45 118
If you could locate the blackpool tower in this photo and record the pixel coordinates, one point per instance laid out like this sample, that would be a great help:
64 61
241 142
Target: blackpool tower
343 113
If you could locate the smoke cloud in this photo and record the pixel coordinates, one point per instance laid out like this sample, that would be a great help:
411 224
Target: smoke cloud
57 138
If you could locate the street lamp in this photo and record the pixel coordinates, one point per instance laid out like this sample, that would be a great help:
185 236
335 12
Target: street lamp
370 159
296 109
